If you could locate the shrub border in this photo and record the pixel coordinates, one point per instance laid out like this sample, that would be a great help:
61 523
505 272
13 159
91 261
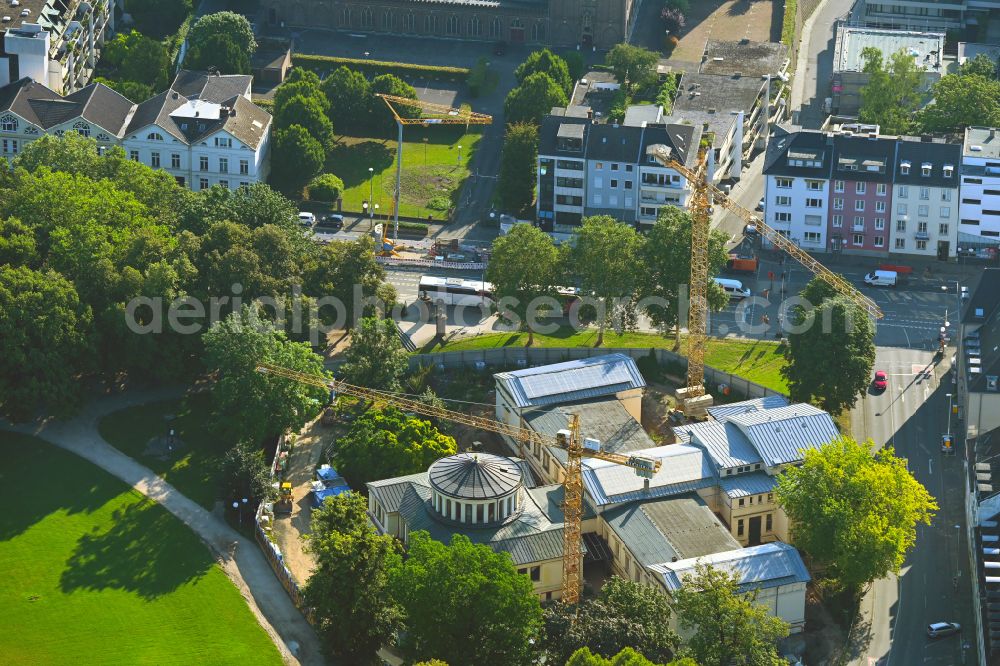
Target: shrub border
376 67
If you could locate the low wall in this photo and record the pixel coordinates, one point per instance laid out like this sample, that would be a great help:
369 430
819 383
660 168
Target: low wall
515 357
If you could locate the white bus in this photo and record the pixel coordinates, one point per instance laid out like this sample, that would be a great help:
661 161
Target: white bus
455 291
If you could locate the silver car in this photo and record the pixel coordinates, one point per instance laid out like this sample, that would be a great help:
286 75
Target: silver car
942 629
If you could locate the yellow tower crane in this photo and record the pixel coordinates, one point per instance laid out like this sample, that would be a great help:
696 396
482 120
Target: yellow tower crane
568 439
693 394
408 111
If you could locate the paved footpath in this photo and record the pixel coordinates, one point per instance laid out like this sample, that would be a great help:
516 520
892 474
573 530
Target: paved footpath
238 556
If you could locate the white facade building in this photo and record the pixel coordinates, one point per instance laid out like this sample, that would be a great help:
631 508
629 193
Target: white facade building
797 188
204 130
979 212
925 207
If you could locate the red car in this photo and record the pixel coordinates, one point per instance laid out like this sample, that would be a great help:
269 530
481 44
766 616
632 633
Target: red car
881 381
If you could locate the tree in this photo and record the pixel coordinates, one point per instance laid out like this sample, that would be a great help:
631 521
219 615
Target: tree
673 19
297 158
17 244
300 82
854 511
133 91
465 603
831 349
231 25
627 657
45 332
892 94
549 63
219 52
624 615
604 260
982 65
666 268
249 404
350 97
726 627
633 66
376 357
389 84
306 112
138 58
524 267
533 99
349 274
518 162
348 589
960 102
246 473
386 443
325 187
158 18
575 64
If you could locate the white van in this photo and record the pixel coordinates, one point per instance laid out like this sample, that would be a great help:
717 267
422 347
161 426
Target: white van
734 288
882 278
307 219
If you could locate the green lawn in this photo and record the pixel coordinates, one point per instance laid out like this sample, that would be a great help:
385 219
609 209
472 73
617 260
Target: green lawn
758 361
195 472
97 574
431 169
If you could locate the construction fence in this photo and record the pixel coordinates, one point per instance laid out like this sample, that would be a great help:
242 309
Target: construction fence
506 358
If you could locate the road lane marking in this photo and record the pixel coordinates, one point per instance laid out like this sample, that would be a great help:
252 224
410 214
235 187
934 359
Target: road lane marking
930 466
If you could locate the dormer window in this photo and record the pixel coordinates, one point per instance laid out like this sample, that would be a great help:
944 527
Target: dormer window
948 170
82 128
904 168
8 123
154 136
925 169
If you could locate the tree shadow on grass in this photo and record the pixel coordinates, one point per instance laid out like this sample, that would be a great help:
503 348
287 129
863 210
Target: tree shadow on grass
351 161
145 551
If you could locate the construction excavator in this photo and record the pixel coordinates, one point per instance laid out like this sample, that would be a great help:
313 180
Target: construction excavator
567 439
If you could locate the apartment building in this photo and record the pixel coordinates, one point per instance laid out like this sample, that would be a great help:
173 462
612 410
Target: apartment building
939 15
979 210
586 168
203 130
925 198
56 43
861 200
797 188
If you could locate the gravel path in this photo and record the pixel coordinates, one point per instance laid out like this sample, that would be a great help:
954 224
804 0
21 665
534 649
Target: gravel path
238 556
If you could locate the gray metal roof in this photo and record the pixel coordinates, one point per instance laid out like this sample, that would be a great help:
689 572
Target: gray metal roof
985 139
744 57
779 435
724 441
218 88
571 381
550 500
390 491
723 94
757 567
744 485
661 530
475 476
638 115
720 412
684 468
604 419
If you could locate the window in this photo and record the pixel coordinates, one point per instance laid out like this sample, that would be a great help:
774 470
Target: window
175 161
859 239
628 184
244 167
133 155
538 35
943 229
8 123
770 497
224 184
921 227
223 142
614 166
838 220
451 25
948 170
904 191
812 237
972 201
922 211
496 28
783 183
367 20
475 26
783 201
921 245
154 136
900 243
860 188
203 183
647 211
945 195
409 22
614 183
345 17
814 185
945 211
782 217
925 193
10 146
900 225
880 189
82 128
974 181
769 523
879 206
31 130
838 186
859 205
223 165
387 21
154 160
879 223
859 223
739 527
879 241
901 209
751 500
925 170
904 168
203 163
742 501
838 204
814 203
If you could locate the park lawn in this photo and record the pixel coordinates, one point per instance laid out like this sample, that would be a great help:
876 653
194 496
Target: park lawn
196 472
759 361
430 170
98 574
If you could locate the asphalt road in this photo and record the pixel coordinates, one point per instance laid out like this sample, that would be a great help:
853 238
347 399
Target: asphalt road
911 415
818 63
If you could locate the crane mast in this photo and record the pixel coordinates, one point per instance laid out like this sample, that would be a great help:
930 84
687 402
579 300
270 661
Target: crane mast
566 439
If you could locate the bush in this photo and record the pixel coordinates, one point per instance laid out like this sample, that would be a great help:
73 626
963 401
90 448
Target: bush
371 68
575 64
673 20
788 25
619 105
649 367
439 203
668 90
670 43
325 187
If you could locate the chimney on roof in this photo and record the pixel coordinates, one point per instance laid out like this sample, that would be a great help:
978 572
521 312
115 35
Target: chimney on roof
232 111
645 485
590 114
992 133
174 96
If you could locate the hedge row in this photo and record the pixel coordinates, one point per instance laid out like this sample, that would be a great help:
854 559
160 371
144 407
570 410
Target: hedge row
788 25
266 104
373 68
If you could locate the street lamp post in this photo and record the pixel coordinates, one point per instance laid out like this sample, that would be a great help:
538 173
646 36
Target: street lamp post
371 184
459 154
364 207
236 508
949 413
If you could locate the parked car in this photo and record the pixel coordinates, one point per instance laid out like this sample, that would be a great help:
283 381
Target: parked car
881 380
332 221
307 219
760 204
942 629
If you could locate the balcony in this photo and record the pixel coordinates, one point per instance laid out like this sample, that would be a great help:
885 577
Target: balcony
860 228
658 200
922 235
